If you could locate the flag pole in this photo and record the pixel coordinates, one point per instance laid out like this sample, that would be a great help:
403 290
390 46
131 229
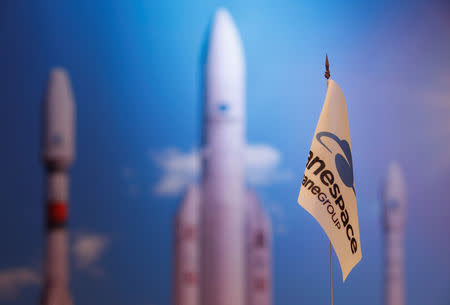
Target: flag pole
331 272
327 76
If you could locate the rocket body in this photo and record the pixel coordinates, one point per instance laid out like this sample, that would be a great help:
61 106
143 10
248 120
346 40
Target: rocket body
394 202
58 154
223 182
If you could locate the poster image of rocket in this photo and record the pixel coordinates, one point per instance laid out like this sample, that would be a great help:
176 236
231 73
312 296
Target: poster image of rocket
224 153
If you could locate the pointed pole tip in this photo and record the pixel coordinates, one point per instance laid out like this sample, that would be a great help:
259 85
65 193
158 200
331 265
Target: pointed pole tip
327 67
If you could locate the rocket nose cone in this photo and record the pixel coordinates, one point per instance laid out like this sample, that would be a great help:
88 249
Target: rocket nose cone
58 87
225 52
58 72
395 186
224 70
59 119
59 98
223 18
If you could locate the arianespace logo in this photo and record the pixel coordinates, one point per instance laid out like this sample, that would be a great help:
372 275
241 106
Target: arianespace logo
320 180
344 165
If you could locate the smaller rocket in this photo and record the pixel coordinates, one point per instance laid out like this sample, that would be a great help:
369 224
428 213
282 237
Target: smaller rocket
58 154
394 216
259 256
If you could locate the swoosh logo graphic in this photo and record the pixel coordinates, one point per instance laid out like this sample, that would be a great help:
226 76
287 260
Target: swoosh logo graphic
344 165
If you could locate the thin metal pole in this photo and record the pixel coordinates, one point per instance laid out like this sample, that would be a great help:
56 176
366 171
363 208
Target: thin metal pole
331 272
327 76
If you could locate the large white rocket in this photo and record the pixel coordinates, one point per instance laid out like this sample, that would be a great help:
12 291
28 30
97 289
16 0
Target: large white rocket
58 154
222 243
394 216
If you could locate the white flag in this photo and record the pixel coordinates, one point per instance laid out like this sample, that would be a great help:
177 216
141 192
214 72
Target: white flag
328 187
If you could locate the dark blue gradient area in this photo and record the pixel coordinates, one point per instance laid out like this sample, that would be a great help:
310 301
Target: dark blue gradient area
135 71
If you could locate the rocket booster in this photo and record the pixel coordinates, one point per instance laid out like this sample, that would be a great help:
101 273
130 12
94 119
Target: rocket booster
223 183
259 256
58 154
394 214
186 271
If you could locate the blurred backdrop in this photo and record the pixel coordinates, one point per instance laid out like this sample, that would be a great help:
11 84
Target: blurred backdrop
135 72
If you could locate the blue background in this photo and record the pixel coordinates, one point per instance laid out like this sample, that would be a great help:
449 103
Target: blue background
135 71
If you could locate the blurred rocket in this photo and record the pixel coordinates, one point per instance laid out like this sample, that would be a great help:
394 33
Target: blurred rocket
58 154
394 202
215 223
259 258
223 186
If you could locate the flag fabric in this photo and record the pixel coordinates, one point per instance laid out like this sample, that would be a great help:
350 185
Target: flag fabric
328 188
